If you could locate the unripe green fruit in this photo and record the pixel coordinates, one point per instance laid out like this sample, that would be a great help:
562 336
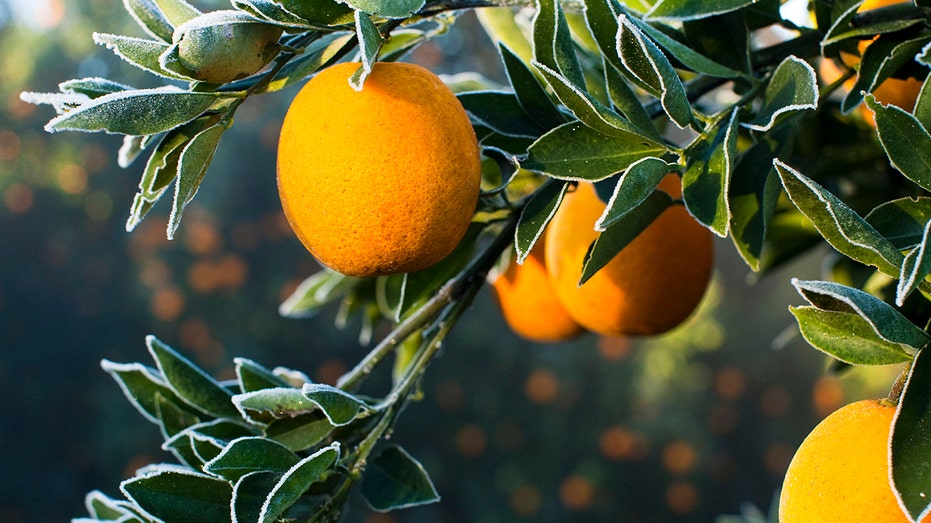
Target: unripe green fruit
222 46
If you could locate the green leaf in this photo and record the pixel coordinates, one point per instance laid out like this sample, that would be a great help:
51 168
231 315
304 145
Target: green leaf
632 189
249 493
906 142
192 166
270 11
150 18
531 96
707 178
887 322
793 88
881 59
574 151
317 55
501 111
535 216
395 480
846 337
644 60
689 57
279 402
626 101
190 383
623 231
910 441
179 495
601 16
253 377
92 87
300 432
177 11
840 226
102 507
131 149
902 221
754 192
370 42
320 12
295 482
339 406
162 168
136 112
917 266
690 10
139 52
586 108
172 416
388 8
723 38
251 454
552 41
922 109
316 291
141 385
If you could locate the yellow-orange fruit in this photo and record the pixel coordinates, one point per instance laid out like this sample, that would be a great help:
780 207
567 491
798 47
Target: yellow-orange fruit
530 305
379 181
841 470
651 286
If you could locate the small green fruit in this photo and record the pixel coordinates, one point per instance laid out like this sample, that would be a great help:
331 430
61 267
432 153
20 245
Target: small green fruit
222 46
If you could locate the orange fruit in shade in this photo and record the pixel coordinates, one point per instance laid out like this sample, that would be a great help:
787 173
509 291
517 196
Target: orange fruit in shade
841 470
900 92
379 181
528 302
651 286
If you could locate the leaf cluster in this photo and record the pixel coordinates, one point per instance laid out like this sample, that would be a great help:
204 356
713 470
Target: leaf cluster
598 91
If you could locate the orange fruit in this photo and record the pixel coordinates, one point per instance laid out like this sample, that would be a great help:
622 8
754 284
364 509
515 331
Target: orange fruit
896 91
379 181
529 304
651 286
841 470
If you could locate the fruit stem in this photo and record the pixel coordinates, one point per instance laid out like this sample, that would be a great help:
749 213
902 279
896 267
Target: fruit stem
473 275
895 393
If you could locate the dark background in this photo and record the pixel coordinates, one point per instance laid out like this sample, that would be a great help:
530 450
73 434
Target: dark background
678 428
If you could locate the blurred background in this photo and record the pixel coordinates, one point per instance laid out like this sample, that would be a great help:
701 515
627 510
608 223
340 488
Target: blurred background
679 428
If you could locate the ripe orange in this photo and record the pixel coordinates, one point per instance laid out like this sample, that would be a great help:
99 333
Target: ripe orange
530 305
841 470
651 286
896 91
380 181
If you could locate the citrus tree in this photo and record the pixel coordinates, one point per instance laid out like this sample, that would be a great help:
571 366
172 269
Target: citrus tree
627 136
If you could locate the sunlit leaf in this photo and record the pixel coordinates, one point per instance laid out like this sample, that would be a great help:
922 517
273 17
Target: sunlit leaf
177 11
535 216
839 224
180 495
395 480
887 322
136 112
846 337
300 432
902 221
793 88
339 406
633 187
917 266
139 52
574 151
150 18
192 166
906 142
190 383
253 377
642 58
388 8
295 482
690 10
910 441
552 41
370 41
707 177
279 402
251 454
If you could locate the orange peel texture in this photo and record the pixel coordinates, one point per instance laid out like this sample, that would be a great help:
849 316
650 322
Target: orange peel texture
379 181
650 287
